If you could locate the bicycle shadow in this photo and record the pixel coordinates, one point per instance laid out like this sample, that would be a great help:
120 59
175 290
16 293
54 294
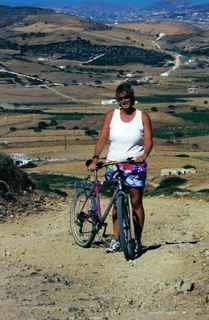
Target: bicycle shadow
145 249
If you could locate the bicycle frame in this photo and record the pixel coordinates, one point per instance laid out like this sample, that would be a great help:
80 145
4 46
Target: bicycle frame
97 186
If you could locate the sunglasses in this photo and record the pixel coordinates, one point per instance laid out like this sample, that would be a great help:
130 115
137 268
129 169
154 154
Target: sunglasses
127 97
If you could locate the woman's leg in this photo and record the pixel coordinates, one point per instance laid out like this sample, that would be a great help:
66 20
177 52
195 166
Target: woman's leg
114 245
115 226
138 211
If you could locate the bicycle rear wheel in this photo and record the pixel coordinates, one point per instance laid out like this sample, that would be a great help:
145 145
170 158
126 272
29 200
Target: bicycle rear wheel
123 217
83 219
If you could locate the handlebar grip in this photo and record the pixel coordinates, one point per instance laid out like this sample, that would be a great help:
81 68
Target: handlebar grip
130 160
88 162
100 164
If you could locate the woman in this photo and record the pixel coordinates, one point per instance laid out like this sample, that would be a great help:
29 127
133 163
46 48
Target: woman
130 133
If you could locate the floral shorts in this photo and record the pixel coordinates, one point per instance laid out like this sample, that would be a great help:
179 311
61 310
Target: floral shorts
134 174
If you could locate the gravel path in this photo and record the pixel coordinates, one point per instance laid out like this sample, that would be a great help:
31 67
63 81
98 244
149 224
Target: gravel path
44 276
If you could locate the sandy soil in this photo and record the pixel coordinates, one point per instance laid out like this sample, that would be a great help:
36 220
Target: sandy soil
45 276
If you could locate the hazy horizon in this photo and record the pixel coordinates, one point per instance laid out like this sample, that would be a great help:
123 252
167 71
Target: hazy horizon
66 3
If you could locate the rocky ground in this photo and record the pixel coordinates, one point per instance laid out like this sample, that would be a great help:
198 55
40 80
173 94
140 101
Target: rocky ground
45 276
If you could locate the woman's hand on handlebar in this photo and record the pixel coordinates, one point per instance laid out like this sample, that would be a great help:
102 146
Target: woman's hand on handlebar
136 160
91 164
140 159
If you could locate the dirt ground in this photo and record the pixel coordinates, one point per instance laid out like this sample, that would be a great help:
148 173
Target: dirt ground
45 276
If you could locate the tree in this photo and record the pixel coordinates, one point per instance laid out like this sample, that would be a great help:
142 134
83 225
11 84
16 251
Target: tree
171 107
42 125
154 109
12 129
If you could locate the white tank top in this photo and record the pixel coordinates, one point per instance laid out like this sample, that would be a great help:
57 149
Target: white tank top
126 138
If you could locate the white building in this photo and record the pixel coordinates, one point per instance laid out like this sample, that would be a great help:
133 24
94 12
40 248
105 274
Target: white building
176 171
108 102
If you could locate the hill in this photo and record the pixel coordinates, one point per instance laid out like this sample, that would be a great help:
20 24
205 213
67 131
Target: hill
12 15
37 32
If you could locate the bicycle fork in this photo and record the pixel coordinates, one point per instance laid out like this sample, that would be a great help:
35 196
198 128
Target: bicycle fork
131 218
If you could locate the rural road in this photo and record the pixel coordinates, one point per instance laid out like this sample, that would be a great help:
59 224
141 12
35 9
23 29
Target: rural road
176 56
45 276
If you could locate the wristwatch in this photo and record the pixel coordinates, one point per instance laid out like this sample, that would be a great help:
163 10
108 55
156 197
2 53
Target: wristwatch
95 157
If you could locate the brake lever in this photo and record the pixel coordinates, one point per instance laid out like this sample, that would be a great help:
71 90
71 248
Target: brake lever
131 160
88 162
100 164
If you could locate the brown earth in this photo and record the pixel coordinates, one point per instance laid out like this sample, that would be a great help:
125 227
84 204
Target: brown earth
154 28
45 276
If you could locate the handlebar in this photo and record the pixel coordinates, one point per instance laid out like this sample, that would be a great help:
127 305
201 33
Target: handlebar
102 164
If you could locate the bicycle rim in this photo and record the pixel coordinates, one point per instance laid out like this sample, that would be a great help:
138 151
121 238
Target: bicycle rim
82 219
126 241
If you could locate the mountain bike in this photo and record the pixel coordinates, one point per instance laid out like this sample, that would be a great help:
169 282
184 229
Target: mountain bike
87 218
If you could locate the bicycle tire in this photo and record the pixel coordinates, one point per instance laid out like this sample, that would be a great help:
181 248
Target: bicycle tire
126 241
82 219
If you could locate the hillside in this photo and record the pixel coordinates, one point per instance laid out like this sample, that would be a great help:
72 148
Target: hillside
46 32
154 28
13 15
58 76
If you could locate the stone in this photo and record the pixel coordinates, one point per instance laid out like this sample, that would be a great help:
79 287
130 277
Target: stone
184 286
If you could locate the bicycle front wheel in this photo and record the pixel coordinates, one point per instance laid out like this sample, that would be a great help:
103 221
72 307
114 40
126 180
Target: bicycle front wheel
123 218
83 219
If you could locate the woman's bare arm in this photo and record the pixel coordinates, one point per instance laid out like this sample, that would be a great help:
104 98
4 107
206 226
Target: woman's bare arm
148 142
102 139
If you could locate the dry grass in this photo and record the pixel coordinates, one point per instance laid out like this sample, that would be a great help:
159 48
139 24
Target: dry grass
66 150
169 28
20 120
49 27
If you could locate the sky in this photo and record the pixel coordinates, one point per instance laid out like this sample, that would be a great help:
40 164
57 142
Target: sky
67 3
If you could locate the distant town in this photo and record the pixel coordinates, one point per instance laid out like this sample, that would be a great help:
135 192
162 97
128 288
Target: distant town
182 13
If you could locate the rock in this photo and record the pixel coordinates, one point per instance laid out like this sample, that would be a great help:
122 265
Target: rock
3 212
13 179
184 286
58 279
6 253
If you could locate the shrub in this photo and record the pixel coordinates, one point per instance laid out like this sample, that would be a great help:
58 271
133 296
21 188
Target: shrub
182 155
195 146
12 129
42 125
48 181
178 134
91 132
37 129
53 122
194 109
154 109
171 107
98 82
60 128
172 182
189 166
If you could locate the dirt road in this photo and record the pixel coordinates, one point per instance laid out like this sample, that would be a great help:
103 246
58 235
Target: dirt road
44 276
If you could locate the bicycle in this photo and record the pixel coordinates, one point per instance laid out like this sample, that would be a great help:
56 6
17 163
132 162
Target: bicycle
87 218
